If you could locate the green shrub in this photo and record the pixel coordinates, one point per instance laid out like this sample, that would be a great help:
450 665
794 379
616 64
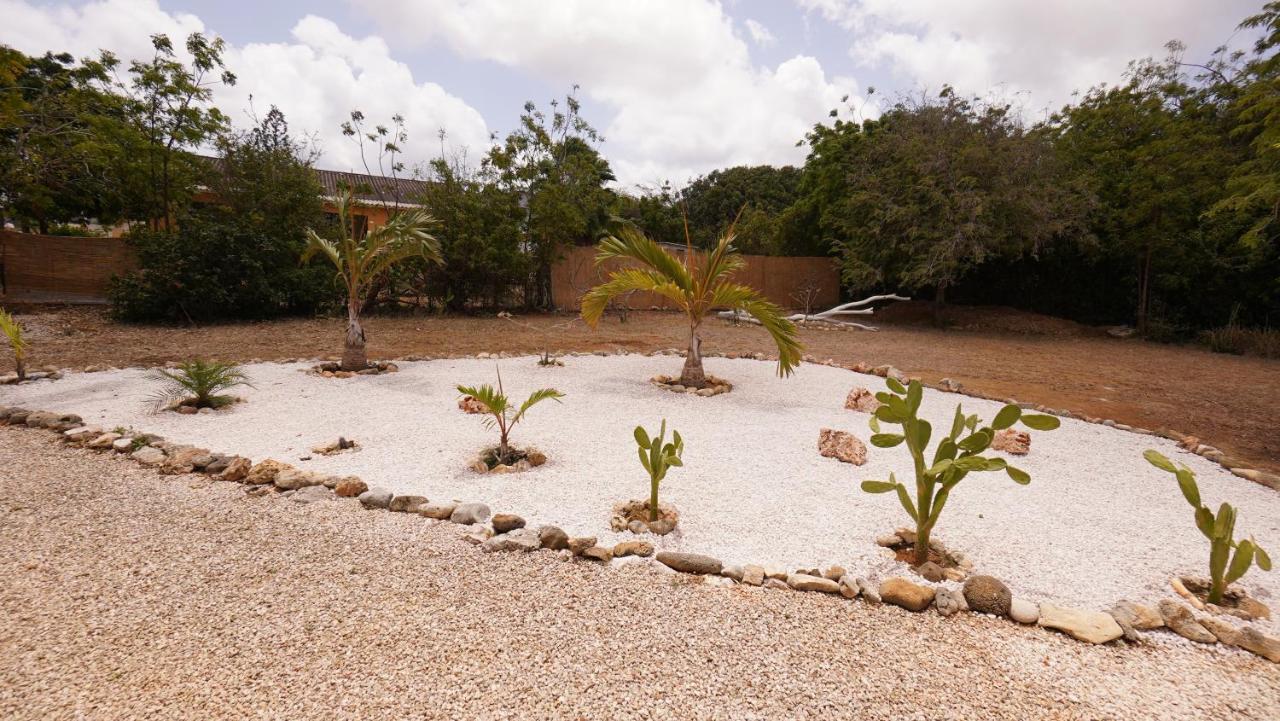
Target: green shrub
954 458
199 383
13 331
499 407
657 458
1224 568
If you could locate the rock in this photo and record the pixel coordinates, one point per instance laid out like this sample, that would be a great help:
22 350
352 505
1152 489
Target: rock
1090 626
103 441
186 410
890 372
82 434
867 590
122 445
519 539
552 537
1134 617
148 456
890 540
1012 441
438 511
265 472
949 601
1268 647
1181 621
237 469
930 571
469 513
409 504
1223 630
638 527
506 522
772 571
987 594
375 498
834 573
690 562
182 460
777 584
41 419
849 587
633 548
218 464
577 545
598 553
478 535
805 582
468 404
479 466
949 385
752 575
904 593
350 487
842 446
732 572
291 479
1024 611
861 399
1252 609
535 457
310 494
201 462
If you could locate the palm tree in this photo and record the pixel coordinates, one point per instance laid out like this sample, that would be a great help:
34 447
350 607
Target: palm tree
696 288
498 405
13 331
361 260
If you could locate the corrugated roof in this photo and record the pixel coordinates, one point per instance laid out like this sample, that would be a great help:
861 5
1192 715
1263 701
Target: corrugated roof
372 188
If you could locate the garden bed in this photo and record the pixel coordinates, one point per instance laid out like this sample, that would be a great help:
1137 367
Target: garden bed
753 488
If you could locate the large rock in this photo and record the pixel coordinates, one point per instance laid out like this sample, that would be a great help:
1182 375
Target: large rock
407 504
643 549
350 487
861 399
237 469
553 537
438 511
1090 626
598 553
1134 617
1024 611
519 539
1012 441
291 479
690 562
1182 621
122 445
469 513
82 434
103 442
182 460
752 575
949 601
904 593
375 498
577 546
148 456
265 472
310 494
506 522
987 594
805 582
842 446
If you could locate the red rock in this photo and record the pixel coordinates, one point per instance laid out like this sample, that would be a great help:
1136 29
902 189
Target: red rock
842 446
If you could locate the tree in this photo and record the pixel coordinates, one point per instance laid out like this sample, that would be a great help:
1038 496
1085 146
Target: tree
751 195
938 186
553 166
695 287
169 103
361 259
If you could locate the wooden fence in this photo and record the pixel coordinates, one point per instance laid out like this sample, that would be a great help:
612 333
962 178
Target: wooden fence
59 269
782 280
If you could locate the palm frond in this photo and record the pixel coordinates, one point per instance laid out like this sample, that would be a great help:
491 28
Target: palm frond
535 398
488 396
627 280
735 296
198 380
631 244
319 246
13 331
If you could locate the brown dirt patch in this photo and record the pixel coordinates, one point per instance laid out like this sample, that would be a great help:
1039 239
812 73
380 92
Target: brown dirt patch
1228 401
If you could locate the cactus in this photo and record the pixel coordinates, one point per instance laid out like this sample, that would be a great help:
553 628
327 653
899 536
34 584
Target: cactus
954 458
11 329
1219 529
657 457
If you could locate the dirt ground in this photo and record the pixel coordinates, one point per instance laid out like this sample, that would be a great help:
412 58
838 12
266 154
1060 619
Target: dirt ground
1227 401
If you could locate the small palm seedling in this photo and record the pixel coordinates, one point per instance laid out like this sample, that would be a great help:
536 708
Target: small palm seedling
657 457
13 331
499 408
958 453
1224 567
199 383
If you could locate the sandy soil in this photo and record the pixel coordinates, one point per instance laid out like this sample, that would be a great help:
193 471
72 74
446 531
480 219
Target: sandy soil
124 594
1228 401
753 488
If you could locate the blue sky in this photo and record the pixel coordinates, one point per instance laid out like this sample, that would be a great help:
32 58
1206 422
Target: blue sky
677 87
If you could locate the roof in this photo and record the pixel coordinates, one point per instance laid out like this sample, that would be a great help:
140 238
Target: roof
372 188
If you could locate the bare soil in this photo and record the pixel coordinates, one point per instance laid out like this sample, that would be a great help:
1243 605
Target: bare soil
1227 401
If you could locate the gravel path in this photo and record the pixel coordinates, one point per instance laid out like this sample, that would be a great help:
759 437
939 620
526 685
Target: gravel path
124 594
1097 523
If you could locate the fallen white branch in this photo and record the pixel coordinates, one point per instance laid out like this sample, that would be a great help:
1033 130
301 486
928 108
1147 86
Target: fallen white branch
826 316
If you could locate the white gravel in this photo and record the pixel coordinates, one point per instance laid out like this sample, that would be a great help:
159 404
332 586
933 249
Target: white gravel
1097 523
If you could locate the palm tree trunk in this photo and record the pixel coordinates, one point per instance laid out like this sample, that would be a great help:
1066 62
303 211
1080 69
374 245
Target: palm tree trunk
21 364
692 375
353 353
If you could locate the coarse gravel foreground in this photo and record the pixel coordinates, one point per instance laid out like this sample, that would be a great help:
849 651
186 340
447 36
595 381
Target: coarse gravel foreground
125 594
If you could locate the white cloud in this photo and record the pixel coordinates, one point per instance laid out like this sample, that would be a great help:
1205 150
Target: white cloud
686 95
760 34
316 80
1048 49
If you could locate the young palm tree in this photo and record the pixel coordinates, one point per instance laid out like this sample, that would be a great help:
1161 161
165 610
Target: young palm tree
13 332
499 406
695 287
361 260
199 382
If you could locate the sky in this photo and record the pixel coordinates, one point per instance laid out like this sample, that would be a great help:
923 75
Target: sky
677 88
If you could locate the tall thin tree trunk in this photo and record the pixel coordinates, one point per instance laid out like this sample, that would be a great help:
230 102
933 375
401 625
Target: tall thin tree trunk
939 303
353 351
692 375
21 364
1144 293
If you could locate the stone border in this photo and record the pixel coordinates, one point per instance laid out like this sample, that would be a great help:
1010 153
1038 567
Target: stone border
507 532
